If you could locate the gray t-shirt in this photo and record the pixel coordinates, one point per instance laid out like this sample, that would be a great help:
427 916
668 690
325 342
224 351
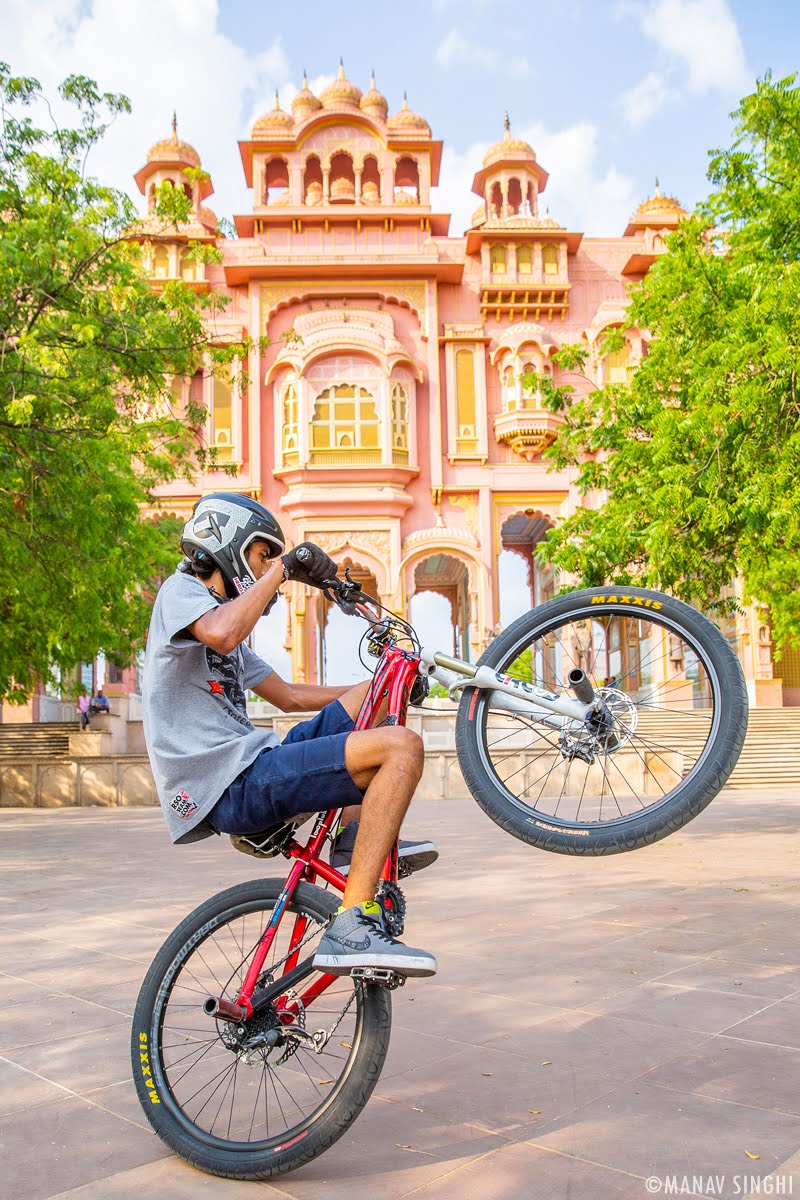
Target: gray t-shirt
198 734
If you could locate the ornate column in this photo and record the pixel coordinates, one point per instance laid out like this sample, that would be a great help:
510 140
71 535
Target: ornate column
475 641
299 656
296 183
387 191
358 171
504 194
326 183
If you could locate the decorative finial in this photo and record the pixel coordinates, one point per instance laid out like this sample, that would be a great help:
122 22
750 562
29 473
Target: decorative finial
277 102
305 79
174 125
341 69
658 189
507 124
405 101
372 79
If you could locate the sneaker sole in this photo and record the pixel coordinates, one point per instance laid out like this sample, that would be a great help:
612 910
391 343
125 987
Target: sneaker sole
410 862
342 964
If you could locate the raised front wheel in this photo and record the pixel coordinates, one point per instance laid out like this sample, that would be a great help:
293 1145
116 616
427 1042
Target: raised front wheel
666 734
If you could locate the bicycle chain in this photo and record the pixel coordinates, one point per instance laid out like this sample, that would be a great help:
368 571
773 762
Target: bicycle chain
268 977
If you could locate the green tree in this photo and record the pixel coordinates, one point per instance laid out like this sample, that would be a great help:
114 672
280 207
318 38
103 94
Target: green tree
700 453
88 424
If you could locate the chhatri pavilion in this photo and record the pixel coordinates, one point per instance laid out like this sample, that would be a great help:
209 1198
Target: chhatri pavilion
388 419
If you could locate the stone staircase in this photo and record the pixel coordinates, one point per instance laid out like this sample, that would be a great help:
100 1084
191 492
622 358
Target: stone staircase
46 740
771 753
50 765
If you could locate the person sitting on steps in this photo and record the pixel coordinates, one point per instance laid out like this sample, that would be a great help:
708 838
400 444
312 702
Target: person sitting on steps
216 773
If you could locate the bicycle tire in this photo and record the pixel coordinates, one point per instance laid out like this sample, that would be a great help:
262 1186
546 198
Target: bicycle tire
309 1137
541 828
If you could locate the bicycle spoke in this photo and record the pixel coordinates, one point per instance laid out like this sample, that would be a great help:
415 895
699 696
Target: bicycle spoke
225 1094
659 720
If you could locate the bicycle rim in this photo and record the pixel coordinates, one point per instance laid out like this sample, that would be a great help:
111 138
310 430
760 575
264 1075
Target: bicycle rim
223 1093
662 688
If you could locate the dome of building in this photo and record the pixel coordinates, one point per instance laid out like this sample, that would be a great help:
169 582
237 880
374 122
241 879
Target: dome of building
341 91
659 210
208 218
173 150
478 217
373 102
509 147
305 102
276 121
407 122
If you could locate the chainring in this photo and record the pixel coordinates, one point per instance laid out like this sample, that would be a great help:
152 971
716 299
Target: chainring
393 905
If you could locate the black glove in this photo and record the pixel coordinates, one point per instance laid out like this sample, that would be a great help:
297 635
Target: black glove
309 564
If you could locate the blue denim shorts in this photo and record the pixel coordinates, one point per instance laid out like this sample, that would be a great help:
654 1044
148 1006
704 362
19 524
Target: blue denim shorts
305 773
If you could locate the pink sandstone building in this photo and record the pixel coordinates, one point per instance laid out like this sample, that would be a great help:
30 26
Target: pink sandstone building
387 420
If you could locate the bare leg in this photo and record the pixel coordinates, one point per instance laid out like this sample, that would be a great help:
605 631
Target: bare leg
351 701
387 762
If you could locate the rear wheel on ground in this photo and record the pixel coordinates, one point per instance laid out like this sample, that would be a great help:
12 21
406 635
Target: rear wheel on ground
248 1101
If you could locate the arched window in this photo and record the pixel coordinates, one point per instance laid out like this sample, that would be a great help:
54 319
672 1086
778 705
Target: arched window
466 408
370 181
222 417
524 260
345 426
514 196
189 266
406 181
312 181
509 390
342 179
276 182
550 260
616 366
497 259
399 417
161 261
529 390
289 425
495 200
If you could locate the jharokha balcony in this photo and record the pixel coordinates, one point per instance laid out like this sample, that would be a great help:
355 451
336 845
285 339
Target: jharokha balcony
527 429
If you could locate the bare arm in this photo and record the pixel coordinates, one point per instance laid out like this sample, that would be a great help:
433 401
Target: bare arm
297 697
224 627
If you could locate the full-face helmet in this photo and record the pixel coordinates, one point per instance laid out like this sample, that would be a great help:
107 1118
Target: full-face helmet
221 527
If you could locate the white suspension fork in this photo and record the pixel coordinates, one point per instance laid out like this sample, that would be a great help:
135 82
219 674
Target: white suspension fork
507 693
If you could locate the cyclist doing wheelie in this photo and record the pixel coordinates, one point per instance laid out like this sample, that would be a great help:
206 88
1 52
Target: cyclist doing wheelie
216 773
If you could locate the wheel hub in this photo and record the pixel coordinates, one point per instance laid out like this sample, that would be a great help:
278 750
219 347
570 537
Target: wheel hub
611 725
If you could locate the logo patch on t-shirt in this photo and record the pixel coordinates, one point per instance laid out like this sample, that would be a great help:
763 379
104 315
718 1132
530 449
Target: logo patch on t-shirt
216 687
183 804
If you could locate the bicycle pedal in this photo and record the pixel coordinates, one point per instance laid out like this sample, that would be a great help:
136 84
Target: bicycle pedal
381 975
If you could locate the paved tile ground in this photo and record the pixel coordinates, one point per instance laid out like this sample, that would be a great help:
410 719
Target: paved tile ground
593 1023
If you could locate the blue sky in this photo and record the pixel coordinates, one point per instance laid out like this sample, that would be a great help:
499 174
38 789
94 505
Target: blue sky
610 93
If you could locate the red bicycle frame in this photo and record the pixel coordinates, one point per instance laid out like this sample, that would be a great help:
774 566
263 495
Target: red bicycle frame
392 682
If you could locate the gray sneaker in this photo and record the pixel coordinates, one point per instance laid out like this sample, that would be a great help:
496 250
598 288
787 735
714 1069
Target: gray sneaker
356 939
412 855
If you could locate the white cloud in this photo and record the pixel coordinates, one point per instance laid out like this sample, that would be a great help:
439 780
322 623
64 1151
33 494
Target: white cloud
454 49
644 99
703 34
164 55
582 193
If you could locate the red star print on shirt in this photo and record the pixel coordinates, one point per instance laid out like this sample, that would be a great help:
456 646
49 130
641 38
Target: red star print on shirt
216 687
